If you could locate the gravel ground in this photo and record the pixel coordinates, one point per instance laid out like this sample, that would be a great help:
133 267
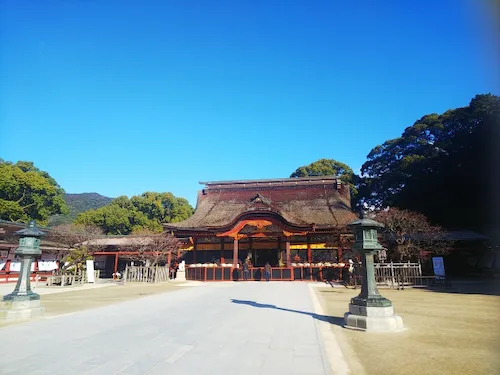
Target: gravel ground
58 301
448 332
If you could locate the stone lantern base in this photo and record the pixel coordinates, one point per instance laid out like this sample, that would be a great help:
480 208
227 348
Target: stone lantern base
20 309
373 319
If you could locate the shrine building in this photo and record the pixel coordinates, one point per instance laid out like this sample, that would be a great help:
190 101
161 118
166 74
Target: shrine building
290 222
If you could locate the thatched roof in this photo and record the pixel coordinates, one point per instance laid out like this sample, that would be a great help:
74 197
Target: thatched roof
311 202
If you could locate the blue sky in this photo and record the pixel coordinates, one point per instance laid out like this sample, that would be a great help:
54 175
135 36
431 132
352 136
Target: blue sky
123 97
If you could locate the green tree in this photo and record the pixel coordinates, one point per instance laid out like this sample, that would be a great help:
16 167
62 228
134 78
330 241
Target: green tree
142 212
78 203
331 167
440 166
27 193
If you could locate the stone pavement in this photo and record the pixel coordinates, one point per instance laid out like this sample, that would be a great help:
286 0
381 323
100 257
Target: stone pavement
41 289
220 328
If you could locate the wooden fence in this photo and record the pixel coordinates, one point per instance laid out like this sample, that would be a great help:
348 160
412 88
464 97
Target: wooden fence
392 273
154 274
70 279
399 275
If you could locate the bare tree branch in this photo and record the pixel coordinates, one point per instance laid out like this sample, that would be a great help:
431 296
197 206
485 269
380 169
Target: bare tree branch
153 247
409 235
77 239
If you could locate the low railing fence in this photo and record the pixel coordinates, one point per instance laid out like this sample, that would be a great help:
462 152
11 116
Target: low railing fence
398 276
151 274
78 278
402 282
11 277
392 273
316 273
235 274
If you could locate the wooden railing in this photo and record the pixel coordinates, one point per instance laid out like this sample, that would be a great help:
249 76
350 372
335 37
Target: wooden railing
400 282
394 275
390 273
432 281
79 278
257 273
154 274
11 276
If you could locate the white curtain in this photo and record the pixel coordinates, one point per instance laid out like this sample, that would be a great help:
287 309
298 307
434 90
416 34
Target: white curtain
16 266
47 265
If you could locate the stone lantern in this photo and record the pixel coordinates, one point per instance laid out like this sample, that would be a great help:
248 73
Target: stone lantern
369 311
22 303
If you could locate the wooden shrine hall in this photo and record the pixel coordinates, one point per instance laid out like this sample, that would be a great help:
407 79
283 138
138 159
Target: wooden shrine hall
290 223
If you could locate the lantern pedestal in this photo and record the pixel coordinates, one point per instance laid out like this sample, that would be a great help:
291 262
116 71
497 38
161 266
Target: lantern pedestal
18 309
370 311
374 319
22 303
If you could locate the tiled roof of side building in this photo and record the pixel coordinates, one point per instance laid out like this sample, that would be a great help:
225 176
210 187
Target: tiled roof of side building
302 202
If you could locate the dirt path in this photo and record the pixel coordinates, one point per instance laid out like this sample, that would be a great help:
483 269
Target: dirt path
77 300
447 333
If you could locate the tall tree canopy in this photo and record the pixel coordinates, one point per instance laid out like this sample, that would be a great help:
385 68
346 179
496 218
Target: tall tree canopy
27 193
143 212
440 166
330 167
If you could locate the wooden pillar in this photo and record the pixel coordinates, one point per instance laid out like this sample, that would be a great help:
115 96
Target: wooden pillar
250 249
194 250
221 250
235 252
169 258
309 250
287 252
279 250
116 266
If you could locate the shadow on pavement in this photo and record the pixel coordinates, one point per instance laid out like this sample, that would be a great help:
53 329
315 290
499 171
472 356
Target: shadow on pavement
324 318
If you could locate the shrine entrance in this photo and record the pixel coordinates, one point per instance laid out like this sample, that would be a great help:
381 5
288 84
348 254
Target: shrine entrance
263 256
261 240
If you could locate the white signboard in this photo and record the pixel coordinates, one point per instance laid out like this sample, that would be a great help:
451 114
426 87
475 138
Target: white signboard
90 271
44 265
438 264
16 267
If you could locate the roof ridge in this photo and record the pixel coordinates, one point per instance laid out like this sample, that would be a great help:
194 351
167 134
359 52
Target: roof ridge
271 180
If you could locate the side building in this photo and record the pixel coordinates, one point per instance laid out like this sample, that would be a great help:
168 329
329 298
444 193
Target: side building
10 264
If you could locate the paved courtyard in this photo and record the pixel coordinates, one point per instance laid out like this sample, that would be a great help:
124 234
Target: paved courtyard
221 328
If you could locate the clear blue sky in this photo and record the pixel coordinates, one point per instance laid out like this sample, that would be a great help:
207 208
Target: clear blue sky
123 97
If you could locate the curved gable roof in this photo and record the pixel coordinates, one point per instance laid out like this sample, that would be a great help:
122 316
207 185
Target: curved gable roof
322 202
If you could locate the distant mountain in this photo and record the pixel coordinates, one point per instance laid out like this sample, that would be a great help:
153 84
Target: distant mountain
78 203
